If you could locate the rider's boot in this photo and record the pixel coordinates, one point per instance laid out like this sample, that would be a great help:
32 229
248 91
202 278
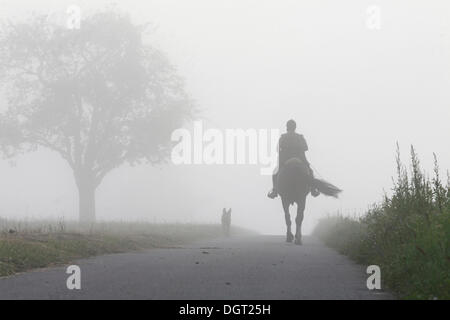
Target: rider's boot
273 194
314 191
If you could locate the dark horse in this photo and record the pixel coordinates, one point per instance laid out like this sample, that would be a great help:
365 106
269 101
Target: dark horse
294 185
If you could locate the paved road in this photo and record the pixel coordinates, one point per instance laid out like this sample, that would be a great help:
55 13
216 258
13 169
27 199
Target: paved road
258 267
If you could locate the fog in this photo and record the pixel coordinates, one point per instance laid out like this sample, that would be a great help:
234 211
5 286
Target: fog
354 91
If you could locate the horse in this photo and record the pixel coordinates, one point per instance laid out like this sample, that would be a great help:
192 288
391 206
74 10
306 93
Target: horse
294 184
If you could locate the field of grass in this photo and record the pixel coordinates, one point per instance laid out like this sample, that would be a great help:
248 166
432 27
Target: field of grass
29 245
406 234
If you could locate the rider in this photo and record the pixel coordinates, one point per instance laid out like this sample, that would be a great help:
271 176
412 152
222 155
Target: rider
290 145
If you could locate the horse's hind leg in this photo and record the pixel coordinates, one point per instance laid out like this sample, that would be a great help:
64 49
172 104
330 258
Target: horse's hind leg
299 221
287 216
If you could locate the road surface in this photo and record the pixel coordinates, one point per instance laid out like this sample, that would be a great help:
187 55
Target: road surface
257 267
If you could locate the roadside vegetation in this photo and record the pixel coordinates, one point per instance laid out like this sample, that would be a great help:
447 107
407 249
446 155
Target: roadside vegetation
29 245
407 234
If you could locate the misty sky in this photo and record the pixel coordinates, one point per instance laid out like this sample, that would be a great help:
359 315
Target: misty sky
354 92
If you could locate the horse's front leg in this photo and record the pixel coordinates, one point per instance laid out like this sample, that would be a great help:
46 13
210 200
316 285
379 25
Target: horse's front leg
287 217
299 221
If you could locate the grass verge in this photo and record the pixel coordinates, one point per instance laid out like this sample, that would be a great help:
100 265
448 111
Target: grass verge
407 235
25 246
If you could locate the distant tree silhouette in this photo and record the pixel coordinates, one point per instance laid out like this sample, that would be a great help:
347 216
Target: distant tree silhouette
99 96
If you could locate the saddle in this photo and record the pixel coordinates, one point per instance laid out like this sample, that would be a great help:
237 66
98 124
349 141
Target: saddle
294 164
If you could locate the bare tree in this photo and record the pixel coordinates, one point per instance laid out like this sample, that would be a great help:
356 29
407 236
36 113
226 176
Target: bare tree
99 96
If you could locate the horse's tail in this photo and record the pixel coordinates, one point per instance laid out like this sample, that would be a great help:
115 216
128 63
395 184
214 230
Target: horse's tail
326 188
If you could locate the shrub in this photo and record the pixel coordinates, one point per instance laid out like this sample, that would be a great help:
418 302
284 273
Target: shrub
406 234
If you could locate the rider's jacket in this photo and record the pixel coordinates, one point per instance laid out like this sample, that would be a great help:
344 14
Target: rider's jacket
292 145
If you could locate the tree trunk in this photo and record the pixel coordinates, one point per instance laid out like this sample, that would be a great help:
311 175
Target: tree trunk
86 197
